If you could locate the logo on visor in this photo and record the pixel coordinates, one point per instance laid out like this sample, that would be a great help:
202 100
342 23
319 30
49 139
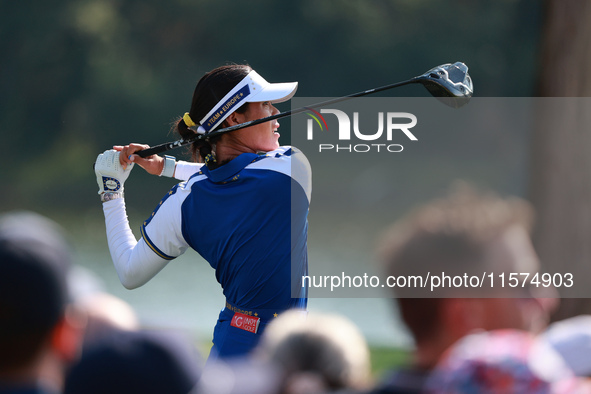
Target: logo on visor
226 108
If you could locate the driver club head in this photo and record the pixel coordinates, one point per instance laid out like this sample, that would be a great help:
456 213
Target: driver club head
449 83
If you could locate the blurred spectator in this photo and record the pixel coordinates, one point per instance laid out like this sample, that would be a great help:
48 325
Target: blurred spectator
466 233
298 353
40 333
117 356
135 362
317 353
239 375
571 339
502 361
105 312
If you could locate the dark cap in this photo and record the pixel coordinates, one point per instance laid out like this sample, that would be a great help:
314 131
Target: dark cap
34 260
136 362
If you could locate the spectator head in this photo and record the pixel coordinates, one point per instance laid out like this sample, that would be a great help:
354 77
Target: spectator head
316 352
502 361
465 234
39 333
135 362
105 312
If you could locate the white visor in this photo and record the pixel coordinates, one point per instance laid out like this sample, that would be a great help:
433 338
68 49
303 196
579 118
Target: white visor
253 88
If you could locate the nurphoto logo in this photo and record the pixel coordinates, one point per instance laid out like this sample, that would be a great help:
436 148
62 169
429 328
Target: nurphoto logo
390 124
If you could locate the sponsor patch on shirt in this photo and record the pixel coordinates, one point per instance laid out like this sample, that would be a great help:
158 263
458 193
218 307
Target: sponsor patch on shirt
245 322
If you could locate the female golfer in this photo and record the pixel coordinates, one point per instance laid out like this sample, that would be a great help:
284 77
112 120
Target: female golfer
244 210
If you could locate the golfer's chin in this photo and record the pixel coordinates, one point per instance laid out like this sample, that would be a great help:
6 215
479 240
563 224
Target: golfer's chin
274 144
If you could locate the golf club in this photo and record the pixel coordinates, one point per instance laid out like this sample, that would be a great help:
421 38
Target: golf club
449 83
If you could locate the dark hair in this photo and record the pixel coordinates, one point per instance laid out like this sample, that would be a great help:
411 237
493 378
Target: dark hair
34 262
135 362
210 89
422 316
454 232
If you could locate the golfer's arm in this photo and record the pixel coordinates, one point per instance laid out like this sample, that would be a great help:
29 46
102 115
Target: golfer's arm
184 169
134 261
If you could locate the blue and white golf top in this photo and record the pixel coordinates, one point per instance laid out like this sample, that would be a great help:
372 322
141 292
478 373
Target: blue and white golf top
248 219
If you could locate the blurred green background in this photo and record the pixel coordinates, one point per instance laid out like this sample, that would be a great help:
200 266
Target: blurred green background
77 77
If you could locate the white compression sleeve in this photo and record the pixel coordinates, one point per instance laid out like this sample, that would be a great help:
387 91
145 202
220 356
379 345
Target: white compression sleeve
134 261
185 169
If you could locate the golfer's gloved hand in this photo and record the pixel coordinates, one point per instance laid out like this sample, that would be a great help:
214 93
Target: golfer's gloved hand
110 175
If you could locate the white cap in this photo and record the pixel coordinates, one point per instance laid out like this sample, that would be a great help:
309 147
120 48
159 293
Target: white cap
261 90
252 88
571 338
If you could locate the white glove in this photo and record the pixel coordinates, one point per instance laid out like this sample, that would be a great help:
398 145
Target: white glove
110 175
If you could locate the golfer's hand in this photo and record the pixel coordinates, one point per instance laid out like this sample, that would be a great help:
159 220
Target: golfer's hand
152 164
110 175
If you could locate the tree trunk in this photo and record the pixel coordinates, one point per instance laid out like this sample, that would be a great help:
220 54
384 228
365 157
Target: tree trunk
560 186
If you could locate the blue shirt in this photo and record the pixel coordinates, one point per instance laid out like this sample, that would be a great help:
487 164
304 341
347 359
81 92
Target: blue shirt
248 219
